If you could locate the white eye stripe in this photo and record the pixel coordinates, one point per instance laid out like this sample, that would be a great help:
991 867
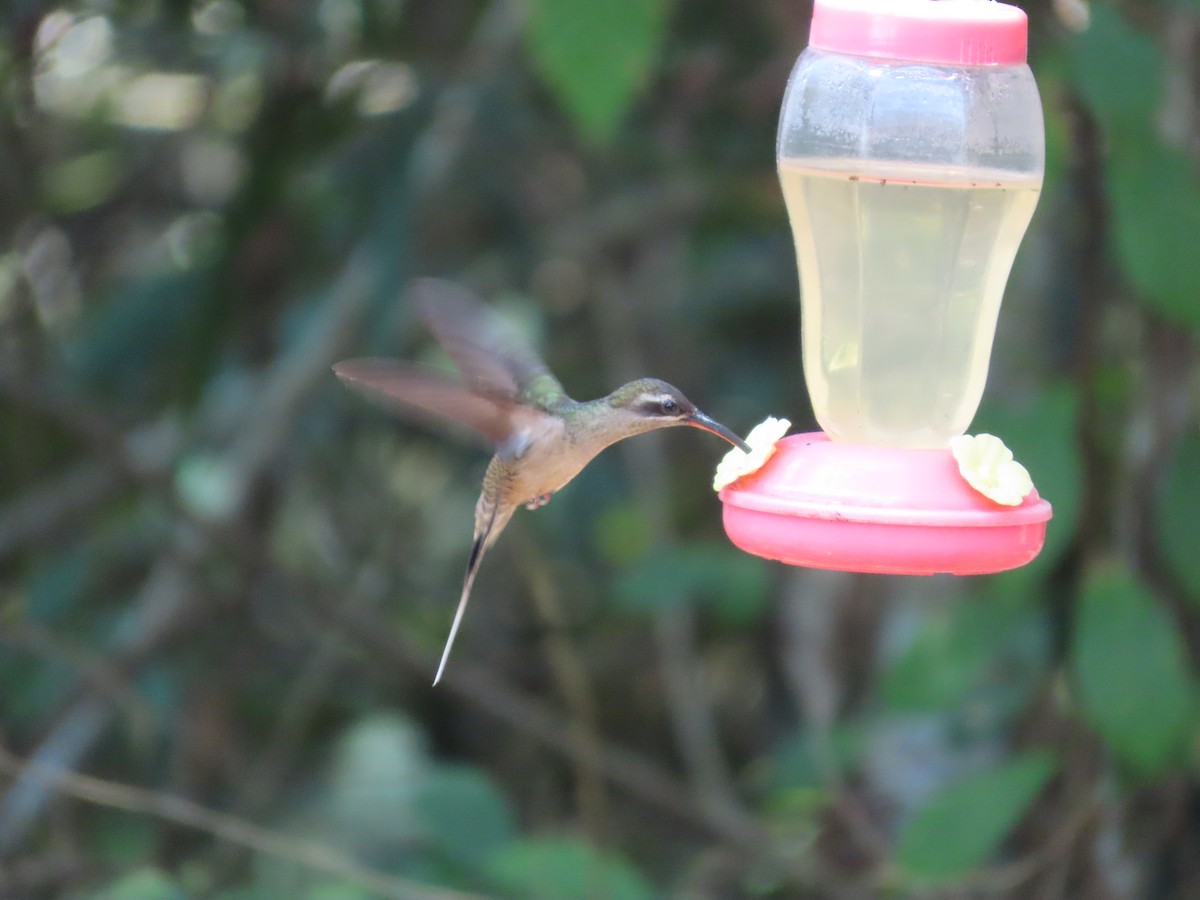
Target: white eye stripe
659 404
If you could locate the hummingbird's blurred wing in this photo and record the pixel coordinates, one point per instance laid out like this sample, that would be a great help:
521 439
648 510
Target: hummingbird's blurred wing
493 357
416 391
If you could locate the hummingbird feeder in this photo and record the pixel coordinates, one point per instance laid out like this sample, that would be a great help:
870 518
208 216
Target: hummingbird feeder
911 151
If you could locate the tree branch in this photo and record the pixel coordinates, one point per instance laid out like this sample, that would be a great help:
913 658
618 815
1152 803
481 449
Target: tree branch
179 811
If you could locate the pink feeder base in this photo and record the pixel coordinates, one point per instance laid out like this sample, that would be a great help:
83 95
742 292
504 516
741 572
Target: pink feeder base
860 508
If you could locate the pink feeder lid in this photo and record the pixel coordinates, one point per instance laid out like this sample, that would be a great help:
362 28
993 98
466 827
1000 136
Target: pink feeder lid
954 32
861 508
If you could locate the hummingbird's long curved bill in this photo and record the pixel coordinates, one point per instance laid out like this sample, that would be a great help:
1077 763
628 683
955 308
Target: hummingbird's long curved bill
700 420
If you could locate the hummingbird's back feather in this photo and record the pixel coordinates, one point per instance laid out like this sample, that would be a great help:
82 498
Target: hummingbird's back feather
493 357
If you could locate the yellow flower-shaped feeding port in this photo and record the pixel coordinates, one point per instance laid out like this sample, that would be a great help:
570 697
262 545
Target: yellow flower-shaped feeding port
989 467
762 442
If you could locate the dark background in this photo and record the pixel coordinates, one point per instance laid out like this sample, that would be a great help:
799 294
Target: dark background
224 580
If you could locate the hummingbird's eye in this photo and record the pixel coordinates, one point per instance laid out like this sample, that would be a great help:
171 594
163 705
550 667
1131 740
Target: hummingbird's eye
670 407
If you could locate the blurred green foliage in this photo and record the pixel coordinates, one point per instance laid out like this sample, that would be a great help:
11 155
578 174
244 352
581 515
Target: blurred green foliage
1121 73
596 56
962 826
1134 680
224 582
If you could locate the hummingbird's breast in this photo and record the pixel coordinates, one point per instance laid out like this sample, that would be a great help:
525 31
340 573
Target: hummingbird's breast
550 460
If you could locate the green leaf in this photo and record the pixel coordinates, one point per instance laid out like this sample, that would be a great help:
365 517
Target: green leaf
596 54
1178 533
252 892
952 654
795 763
56 588
130 345
81 183
121 841
1150 185
144 884
963 825
622 533
1051 71
1041 435
375 775
733 584
1118 70
464 816
564 869
1132 675
337 890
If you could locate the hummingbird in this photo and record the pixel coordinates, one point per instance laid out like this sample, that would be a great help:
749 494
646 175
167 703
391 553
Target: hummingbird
542 437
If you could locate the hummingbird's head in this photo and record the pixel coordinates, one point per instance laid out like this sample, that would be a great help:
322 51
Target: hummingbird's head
647 404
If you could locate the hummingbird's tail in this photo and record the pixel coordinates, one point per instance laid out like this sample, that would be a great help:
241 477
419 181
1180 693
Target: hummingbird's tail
480 545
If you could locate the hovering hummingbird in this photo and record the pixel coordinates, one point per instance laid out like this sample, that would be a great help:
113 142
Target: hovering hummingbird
542 437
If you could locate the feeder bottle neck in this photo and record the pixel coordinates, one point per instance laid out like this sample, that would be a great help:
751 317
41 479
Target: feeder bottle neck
947 32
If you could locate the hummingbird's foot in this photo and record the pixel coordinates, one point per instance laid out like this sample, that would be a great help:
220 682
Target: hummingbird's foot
539 500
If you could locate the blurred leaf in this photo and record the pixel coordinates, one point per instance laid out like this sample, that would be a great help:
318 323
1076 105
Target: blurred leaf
595 54
144 884
1176 525
1131 670
58 586
622 533
1151 184
953 652
32 686
464 816
1041 435
81 183
733 584
1117 69
1119 72
795 763
207 486
795 814
564 869
243 892
336 890
1051 71
129 344
963 825
374 779
121 840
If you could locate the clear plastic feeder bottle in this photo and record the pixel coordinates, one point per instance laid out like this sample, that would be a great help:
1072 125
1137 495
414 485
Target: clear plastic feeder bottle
911 153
